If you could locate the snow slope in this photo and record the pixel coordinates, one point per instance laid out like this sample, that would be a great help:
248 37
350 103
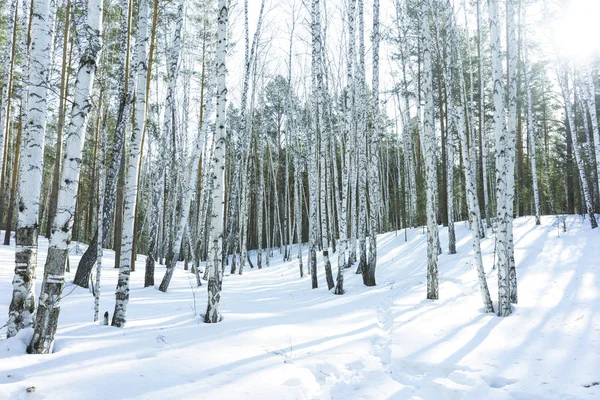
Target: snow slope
282 340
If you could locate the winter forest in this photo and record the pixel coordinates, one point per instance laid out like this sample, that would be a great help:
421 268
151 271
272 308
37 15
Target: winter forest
299 199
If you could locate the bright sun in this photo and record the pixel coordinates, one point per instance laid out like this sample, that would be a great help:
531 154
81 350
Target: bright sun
577 31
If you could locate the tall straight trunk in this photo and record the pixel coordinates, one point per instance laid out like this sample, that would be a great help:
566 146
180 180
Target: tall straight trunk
260 199
511 10
502 165
58 250
241 173
82 276
298 190
429 148
313 168
64 77
368 273
8 64
531 138
215 280
563 79
457 118
22 306
450 125
323 205
7 89
101 182
590 100
345 159
361 133
132 163
13 186
484 196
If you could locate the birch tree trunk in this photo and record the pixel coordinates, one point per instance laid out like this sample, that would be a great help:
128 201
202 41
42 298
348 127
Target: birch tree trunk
58 251
482 137
502 150
563 79
132 163
429 148
8 64
368 273
88 259
101 183
531 138
511 11
313 171
361 133
22 306
215 279
590 100
349 127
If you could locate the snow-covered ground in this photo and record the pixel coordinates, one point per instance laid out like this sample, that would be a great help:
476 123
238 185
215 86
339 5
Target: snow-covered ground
282 340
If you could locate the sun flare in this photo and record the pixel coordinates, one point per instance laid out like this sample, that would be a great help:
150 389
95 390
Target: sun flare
577 32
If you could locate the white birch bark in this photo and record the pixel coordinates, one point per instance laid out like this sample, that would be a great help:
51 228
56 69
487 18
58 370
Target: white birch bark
563 80
346 159
131 168
368 273
361 133
189 187
429 148
88 260
101 183
483 139
590 100
58 250
531 137
511 11
22 306
215 280
8 68
313 171
502 149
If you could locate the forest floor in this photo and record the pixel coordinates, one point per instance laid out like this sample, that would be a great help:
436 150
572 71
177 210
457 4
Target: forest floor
282 340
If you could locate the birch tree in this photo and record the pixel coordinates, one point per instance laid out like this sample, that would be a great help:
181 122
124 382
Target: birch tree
503 144
58 250
531 137
22 306
346 160
368 272
563 80
313 171
429 148
88 259
132 163
215 280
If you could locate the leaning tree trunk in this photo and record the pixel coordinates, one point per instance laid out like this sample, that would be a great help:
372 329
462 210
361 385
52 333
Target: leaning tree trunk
58 251
22 306
189 188
590 99
82 276
457 116
563 80
215 279
132 163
